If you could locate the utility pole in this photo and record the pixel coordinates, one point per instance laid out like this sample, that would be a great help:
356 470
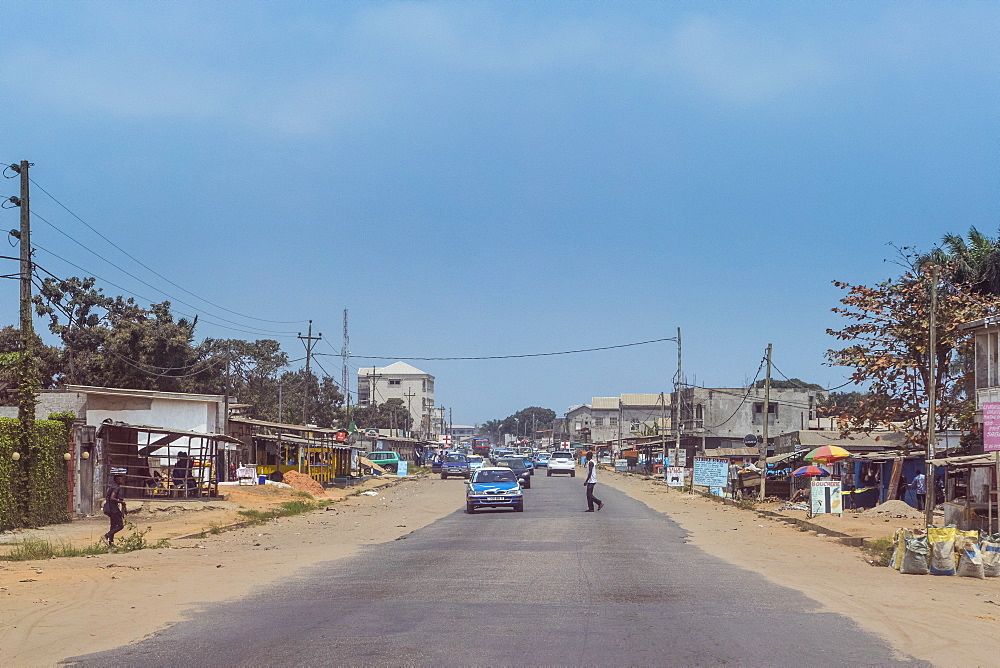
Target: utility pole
345 376
309 342
281 408
27 364
409 394
225 405
663 434
929 486
679 389
762 459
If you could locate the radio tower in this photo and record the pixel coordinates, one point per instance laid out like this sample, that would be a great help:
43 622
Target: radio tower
345 377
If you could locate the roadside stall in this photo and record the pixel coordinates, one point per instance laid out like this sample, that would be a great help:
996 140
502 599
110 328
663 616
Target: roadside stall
970 491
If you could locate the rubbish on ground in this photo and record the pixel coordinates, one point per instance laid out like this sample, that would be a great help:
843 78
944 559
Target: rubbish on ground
370 493
792 506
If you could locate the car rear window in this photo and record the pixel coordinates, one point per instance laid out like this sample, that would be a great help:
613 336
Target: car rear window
561 455
381 455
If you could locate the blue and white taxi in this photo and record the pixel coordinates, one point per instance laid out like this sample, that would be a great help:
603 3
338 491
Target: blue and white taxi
494 487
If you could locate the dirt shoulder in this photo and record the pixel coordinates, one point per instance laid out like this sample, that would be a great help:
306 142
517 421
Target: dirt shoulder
58 608
949 621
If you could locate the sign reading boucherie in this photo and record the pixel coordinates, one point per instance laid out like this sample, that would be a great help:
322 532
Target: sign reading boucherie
991 425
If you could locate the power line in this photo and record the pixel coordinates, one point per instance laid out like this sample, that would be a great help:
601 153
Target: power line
504 357
144 282
745 396
153 271
802 385
134 294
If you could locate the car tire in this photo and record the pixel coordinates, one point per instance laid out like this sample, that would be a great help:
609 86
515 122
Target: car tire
519 508
469 509
572 474
527 484
548 473
444 476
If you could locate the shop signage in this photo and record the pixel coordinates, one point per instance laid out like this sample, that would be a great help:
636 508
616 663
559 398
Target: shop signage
710 472
991 425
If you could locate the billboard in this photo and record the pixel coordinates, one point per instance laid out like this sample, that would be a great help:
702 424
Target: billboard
991 425
710 472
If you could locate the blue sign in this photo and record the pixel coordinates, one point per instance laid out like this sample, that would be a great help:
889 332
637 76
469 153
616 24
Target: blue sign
402 467
710 472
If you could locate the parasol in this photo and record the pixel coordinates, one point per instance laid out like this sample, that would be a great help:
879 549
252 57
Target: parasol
827 454
810 471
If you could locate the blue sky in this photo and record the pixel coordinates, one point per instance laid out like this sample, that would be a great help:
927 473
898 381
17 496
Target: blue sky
506 178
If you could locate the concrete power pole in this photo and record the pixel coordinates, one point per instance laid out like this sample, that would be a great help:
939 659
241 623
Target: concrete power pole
27 365
309 341
762 460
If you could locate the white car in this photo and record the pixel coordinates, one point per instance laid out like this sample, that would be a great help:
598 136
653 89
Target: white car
475 463
561 462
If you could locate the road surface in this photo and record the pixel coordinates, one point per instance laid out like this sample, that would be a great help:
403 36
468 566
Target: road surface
551 585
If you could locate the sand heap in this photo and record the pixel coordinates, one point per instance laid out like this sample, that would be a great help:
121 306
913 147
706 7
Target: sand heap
303 483
894 508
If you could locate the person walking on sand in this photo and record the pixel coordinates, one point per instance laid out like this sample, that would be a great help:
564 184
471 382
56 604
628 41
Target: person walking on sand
114 508
919 487
591 468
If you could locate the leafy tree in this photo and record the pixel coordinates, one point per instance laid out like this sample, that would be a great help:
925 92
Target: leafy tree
254 368
790 384
522 422
975 262
889 339
491 428
325 399
389 415
49 364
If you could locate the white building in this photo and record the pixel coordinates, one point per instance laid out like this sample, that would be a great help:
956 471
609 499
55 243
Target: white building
400 381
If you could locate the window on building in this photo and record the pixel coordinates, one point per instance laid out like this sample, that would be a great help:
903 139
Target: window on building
613 422
598 422
634 426
394 381
758 412
699 412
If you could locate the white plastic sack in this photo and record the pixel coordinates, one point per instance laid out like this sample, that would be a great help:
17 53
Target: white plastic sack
970 562
915 557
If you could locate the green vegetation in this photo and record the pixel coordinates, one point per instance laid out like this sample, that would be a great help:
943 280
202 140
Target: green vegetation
33 489
286 509
878 551
747 503
34 549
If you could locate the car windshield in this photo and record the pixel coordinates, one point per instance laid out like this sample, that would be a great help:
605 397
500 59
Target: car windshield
495 476
511 462
475 459
455 458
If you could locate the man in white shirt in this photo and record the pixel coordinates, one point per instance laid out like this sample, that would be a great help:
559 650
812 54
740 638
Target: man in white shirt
591 468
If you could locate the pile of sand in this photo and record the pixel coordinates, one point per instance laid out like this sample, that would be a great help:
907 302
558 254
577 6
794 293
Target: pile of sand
894 508
303 483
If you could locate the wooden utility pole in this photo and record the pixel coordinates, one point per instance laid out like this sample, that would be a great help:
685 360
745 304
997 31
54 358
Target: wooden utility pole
679 389
225 405
663 434
929 499
345 376
762 460
309 341
409 394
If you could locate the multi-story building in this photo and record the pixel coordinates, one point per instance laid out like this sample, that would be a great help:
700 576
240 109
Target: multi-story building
400 381
607 419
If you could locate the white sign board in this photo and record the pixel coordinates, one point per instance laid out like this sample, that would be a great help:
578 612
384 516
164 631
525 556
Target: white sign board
674 475
710 472
825 497
621 465
402 467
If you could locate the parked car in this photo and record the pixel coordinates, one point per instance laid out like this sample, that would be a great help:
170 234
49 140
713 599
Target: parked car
455 463
543 459
561 461
520 469
494 487
387 459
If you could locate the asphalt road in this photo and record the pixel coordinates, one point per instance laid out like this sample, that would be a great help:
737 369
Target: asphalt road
552 585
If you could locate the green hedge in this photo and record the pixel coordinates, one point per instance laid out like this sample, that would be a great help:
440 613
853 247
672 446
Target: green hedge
33 490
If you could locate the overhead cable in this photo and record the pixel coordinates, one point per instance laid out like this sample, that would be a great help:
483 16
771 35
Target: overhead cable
503 357
153 271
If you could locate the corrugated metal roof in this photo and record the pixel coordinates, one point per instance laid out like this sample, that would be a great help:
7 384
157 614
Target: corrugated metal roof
731 452
813 439
645 400
605 403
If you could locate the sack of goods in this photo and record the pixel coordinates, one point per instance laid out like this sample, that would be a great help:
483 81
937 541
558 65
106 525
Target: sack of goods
942 542
915 556
970 561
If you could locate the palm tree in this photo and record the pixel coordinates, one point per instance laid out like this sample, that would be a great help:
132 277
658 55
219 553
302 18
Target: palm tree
976 260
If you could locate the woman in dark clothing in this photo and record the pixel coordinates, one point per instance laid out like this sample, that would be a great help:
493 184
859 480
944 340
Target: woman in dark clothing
114 508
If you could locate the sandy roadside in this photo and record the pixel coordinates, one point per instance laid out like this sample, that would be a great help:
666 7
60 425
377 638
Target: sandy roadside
58 608
949 621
